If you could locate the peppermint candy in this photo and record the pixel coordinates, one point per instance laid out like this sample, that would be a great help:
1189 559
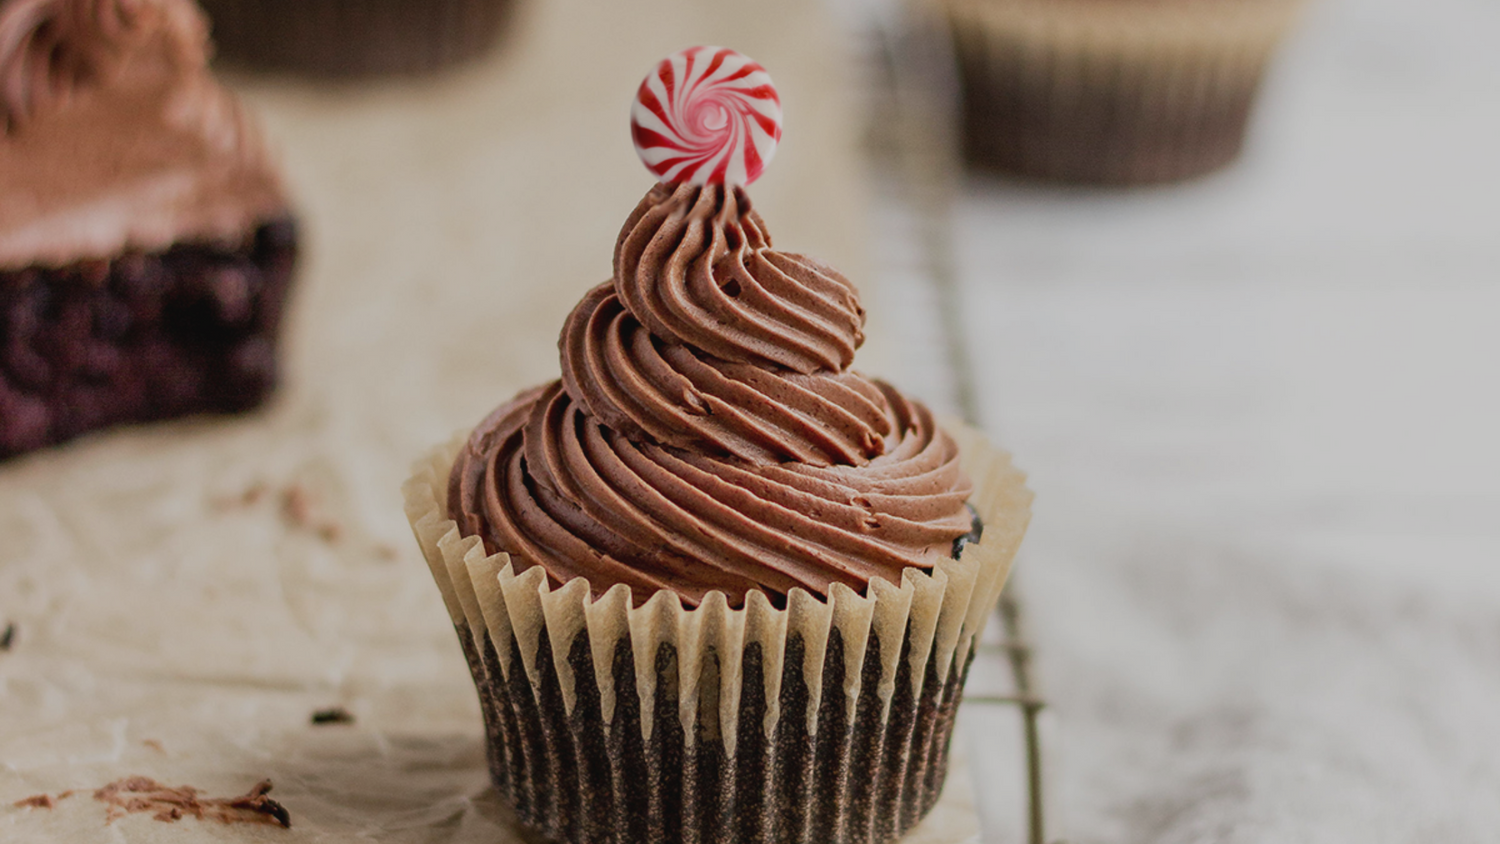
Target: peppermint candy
706 115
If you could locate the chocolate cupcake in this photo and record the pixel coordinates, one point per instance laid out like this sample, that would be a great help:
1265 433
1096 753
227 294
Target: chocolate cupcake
1111 91
145 243
713 584
350 38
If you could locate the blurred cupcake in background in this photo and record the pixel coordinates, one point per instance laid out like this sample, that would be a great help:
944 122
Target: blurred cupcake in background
353 38
1111 91
146 243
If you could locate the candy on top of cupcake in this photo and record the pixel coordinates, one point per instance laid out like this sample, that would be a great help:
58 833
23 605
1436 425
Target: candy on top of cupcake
707 433
706 115
114 136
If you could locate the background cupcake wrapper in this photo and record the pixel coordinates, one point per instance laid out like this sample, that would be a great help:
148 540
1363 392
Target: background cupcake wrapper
823 721
1118 92
356 37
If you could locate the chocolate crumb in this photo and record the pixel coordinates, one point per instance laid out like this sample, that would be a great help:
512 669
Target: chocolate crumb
257 801
298 509
249 498
296 505
333 715
8 638
43 801
144 795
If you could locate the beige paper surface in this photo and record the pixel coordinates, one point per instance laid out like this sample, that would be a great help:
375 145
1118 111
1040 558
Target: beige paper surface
186 595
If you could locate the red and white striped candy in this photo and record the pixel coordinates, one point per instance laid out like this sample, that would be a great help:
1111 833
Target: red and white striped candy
706 115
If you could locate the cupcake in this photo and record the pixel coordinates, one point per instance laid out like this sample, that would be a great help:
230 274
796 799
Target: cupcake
1111 91
712 584
145 241
347 38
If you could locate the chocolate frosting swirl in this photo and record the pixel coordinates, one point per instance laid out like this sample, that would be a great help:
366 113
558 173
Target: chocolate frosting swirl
114 136
707 433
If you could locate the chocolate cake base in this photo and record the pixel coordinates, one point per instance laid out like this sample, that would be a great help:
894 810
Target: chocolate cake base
865 780
141 338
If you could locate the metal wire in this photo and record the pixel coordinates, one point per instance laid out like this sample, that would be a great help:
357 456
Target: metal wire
920 110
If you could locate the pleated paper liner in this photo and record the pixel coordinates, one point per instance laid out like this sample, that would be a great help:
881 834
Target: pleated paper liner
1111 91
821 722
354 38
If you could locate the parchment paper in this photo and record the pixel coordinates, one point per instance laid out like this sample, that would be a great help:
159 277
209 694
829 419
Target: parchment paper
186 595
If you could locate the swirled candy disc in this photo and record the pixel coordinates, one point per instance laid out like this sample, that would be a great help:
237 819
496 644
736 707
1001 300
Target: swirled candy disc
706 115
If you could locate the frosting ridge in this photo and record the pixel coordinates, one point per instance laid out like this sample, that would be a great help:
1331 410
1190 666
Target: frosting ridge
694 264
706 433
114 136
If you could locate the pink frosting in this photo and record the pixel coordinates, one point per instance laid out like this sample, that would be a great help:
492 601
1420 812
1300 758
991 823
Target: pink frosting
115 135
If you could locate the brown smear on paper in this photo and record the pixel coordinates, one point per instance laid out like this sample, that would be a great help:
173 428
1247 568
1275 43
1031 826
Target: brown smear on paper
300 511
252 495
134 795
299 508
41 801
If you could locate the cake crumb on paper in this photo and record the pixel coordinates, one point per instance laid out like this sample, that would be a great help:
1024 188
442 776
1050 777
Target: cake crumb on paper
299 508
154 745
134 795
332 715
42 801
300 511
249 498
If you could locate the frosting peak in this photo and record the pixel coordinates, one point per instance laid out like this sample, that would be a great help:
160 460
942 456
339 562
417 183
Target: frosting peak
114 136
707 434
695 265
707 338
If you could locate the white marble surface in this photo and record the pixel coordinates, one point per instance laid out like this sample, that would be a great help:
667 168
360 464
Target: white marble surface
1262 416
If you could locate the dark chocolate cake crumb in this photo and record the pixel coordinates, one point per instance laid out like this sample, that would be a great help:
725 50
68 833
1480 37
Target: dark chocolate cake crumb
333 715
8 637
134 795
140 338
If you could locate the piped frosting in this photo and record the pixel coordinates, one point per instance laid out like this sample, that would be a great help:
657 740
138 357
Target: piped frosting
115 135
707 433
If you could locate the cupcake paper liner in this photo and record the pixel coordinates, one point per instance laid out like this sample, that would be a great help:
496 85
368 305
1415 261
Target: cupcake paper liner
355 37
818 722
1111 92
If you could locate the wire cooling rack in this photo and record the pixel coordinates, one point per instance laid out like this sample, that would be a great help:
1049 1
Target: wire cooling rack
913 126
